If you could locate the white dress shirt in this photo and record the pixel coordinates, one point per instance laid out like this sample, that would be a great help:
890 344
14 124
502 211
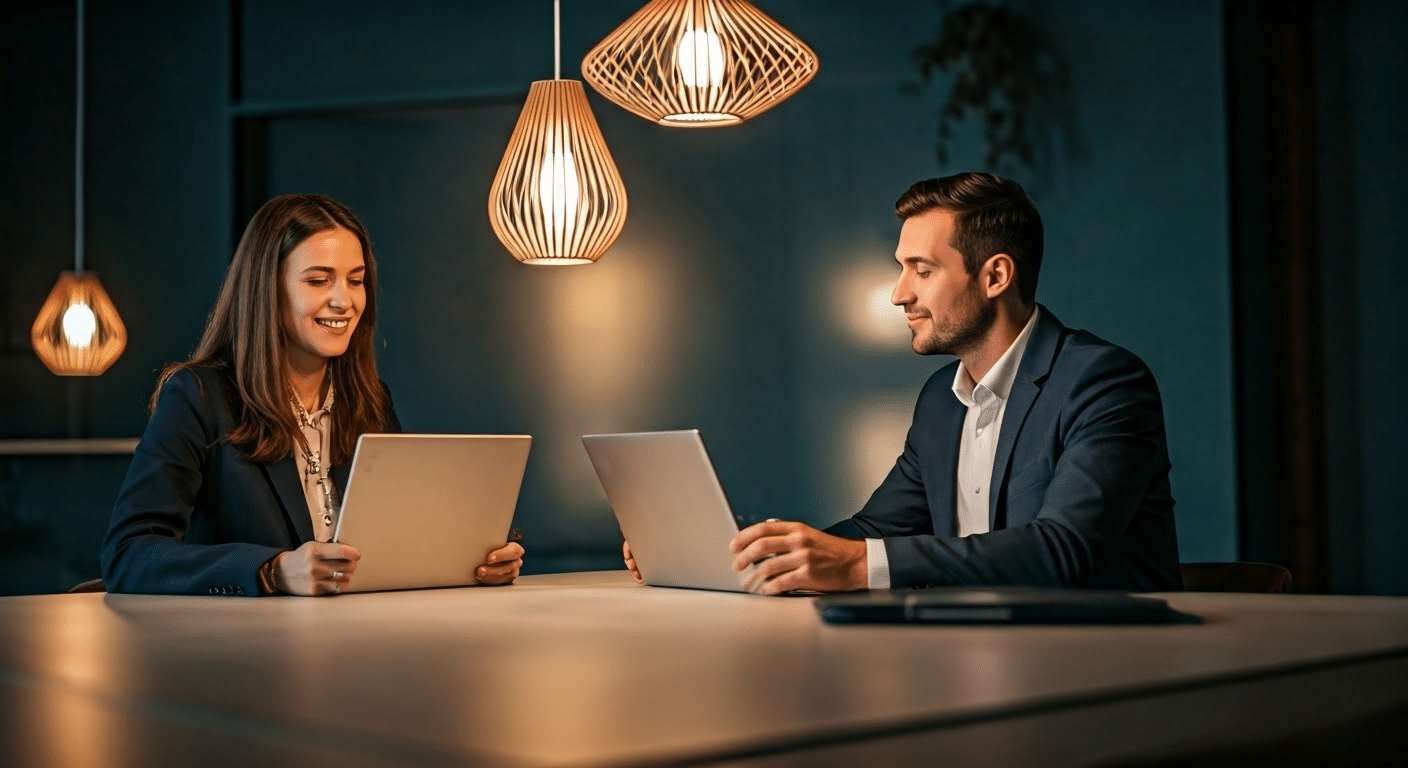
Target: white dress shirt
986 402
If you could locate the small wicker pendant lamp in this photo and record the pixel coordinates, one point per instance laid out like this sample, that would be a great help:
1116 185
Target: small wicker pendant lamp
557 197
78 331
699 63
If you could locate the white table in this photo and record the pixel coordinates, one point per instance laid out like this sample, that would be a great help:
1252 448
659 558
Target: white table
589 669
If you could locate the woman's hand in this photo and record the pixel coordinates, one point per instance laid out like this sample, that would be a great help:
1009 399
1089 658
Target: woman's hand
315 568
501 565
631 561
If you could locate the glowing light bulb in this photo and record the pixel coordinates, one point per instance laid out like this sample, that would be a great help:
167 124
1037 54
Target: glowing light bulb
79 325
700 56
558 190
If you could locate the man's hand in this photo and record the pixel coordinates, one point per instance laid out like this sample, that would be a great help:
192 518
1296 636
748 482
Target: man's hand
631 562
501 566
315 568
786 556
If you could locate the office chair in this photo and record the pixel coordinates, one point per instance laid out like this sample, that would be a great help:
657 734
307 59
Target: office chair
1235 577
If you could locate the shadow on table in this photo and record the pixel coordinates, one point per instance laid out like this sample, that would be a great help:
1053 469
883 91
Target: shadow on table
1378 740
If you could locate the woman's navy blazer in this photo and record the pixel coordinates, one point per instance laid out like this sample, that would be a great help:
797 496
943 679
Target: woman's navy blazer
195 515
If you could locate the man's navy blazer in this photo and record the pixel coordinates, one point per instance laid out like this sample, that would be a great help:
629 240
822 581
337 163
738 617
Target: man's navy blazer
1080 478
195 514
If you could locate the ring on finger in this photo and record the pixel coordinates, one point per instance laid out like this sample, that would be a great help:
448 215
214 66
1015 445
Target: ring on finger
337 575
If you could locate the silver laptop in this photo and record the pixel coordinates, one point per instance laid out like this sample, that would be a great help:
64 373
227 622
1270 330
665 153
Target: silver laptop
424 510
670 506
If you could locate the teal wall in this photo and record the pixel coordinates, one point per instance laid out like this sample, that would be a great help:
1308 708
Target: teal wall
1138 233
1374 253
736 300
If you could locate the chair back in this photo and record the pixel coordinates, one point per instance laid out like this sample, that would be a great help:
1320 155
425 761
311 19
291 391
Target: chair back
1235 577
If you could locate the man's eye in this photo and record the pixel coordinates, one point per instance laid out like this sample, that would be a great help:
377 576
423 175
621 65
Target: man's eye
922 272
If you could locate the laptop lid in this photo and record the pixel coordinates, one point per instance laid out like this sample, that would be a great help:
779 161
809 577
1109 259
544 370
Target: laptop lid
424 510
998 605
670 506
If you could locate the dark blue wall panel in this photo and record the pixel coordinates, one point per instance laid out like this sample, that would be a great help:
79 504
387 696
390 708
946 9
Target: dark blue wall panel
1377 254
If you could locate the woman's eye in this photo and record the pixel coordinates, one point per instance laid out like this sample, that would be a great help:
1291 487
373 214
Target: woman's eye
317 281
356 283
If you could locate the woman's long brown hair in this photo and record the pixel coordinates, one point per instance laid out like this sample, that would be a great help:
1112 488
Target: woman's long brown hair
245 331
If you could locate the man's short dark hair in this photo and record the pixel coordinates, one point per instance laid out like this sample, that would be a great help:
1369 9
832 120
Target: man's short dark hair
991 215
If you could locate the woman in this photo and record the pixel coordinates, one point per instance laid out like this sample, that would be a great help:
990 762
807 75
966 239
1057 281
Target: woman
234 486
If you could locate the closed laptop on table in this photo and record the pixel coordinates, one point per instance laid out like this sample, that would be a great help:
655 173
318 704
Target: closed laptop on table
424 510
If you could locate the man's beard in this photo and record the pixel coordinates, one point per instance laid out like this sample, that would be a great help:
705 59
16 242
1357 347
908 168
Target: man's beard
974 317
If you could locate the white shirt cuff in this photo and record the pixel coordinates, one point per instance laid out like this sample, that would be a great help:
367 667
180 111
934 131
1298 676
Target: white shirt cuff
877 564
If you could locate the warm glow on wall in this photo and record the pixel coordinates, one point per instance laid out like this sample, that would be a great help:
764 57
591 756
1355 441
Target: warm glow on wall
605 356
872 440
861 298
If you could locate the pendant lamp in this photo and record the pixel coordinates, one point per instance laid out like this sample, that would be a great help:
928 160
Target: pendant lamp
78 331
699 63
557 197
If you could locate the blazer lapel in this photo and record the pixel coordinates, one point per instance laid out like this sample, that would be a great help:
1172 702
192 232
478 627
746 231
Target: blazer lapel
283 475
340 474
948 432
1036 364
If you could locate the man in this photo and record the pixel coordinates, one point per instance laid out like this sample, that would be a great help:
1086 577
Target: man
1037 458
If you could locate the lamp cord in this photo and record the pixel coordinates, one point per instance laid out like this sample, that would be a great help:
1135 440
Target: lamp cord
78 156
556 39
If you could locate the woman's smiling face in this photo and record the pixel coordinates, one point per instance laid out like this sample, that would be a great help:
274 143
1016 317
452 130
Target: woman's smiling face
323 279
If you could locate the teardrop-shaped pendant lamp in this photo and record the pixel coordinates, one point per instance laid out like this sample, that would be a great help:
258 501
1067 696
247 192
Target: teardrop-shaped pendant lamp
699 63
557 197
78 331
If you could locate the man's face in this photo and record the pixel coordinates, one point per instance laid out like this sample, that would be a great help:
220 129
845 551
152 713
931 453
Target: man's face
945 307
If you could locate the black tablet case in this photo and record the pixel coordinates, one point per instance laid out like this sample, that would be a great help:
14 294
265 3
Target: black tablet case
998 605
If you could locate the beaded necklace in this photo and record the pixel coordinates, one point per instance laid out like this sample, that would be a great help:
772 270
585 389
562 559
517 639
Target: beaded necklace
314 458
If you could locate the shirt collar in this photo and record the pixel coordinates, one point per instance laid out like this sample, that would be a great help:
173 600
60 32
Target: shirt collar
1000 377
316 416
327 400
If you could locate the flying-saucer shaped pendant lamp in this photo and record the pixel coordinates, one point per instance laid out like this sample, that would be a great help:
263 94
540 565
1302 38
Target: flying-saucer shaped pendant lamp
699 63
78 331
557 197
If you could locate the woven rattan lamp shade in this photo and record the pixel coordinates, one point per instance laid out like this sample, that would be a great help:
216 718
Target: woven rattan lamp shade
78 331
557 198
699 63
